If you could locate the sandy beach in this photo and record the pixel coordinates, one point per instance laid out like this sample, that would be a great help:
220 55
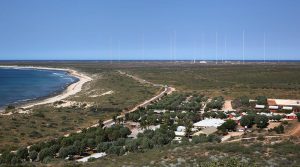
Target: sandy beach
71 89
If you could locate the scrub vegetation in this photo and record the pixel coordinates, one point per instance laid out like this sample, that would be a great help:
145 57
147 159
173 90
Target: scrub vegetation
48 122
231 81
199 87
210 155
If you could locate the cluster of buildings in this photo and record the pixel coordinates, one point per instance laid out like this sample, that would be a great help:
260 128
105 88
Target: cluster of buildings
281 104
207 126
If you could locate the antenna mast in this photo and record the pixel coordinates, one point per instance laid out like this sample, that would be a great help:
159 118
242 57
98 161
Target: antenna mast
171 47
225 54
216 47
202 46
119 50
143 47
279 51
195 46
111 50
175 36
243 46
264 47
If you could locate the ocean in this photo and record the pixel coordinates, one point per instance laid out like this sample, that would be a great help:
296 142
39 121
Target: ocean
18 86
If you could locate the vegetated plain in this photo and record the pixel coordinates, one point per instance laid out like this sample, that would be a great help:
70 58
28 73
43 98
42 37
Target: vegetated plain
271 80
239 154
231 81
47 121
274 80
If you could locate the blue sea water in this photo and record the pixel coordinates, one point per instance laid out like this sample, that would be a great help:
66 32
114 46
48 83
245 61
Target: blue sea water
22 85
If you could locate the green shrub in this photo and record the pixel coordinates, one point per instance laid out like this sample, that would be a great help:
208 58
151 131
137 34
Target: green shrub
33 155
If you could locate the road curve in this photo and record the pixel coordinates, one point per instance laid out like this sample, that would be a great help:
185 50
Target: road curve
167 90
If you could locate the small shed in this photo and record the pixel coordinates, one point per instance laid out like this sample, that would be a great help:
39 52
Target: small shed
273 107
260 106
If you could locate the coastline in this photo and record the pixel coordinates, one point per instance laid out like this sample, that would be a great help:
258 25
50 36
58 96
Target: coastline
70 90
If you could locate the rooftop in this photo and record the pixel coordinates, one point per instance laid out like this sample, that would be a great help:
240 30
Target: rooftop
213 122
284 102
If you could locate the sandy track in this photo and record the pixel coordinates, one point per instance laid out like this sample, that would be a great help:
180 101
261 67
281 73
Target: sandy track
295 131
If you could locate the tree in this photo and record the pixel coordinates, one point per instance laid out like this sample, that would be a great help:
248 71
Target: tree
188 128
65 151
247 120
100 123
54 148
213 138
127 116
103 147
124 132
91 143
230 125
221 115
33 155
6 157
131 145
15 160
44 153
275 117
279 129
261 121
22 153
146 143
114 118
79 147
143 124
114 150
262 100
199 139
245 101
298 116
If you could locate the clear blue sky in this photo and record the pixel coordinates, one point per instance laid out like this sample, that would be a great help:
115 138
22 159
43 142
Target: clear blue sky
95 29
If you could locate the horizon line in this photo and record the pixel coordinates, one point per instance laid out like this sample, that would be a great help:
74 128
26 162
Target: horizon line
210 60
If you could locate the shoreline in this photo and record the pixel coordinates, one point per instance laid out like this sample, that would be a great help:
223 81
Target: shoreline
69 91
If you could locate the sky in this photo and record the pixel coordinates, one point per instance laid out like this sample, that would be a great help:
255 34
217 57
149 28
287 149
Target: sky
149 29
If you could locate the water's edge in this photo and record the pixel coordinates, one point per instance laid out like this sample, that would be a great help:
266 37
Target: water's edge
21 103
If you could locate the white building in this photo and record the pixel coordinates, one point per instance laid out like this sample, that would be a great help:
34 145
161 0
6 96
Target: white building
260 106
213 122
